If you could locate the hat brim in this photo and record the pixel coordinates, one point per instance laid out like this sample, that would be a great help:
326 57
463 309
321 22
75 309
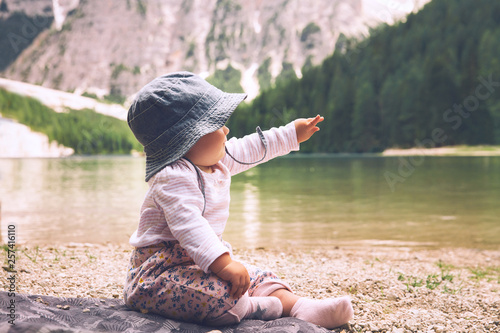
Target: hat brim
211 121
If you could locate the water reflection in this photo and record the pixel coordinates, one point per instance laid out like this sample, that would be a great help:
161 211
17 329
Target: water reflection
76 199
251 212
306 202
298 201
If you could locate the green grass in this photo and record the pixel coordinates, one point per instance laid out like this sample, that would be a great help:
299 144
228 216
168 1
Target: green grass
34 256
488 273
432 281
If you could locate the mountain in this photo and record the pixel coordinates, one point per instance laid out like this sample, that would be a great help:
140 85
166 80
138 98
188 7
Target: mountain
110 49
431 81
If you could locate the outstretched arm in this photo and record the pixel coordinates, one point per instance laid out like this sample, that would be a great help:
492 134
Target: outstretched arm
305 128
280 141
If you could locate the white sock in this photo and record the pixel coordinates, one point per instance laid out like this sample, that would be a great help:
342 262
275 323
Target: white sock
264 308
329 313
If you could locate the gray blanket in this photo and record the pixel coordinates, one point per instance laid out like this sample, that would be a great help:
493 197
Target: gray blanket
44 314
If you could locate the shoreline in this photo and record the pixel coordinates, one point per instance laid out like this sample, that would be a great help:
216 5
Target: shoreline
445 151
448 151
392 289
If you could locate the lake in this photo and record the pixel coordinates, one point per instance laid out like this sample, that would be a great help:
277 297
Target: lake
298 200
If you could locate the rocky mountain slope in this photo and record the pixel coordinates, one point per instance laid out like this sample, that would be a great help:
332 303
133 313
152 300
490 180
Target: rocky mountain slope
113 47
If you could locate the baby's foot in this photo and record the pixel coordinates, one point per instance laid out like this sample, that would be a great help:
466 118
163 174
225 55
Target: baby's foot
264 308
329 313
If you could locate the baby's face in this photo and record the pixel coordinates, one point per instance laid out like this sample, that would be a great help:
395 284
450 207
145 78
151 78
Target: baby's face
210 149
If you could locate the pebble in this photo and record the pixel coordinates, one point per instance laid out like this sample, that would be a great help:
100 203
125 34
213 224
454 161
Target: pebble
40 300
439 329
392 297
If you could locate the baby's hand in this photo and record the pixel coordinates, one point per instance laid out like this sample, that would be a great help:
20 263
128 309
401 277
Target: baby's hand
305 128
233 272
237 275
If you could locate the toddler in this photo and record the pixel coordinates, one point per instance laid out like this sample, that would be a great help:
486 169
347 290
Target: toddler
180 267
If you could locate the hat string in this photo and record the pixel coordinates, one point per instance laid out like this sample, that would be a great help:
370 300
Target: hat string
264 143
202 184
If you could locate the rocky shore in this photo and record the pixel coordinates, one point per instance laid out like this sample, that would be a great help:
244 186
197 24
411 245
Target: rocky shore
393 289
445 151
19 141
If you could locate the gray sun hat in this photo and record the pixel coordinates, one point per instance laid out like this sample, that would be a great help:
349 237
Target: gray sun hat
172 112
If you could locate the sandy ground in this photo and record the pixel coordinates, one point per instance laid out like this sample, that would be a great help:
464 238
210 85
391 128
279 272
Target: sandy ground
392 289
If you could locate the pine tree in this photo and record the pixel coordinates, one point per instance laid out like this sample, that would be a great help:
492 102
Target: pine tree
489 66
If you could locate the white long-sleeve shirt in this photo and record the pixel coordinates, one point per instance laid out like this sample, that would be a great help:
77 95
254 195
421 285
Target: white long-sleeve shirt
173 206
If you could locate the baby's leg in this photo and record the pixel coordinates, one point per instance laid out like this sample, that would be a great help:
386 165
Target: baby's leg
288 300
262 308
257 302
162 279
264 283
329 313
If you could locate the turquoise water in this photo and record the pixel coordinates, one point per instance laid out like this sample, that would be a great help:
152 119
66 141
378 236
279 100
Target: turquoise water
304 201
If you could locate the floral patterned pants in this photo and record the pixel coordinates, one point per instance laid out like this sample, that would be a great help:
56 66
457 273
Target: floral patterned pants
163 279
